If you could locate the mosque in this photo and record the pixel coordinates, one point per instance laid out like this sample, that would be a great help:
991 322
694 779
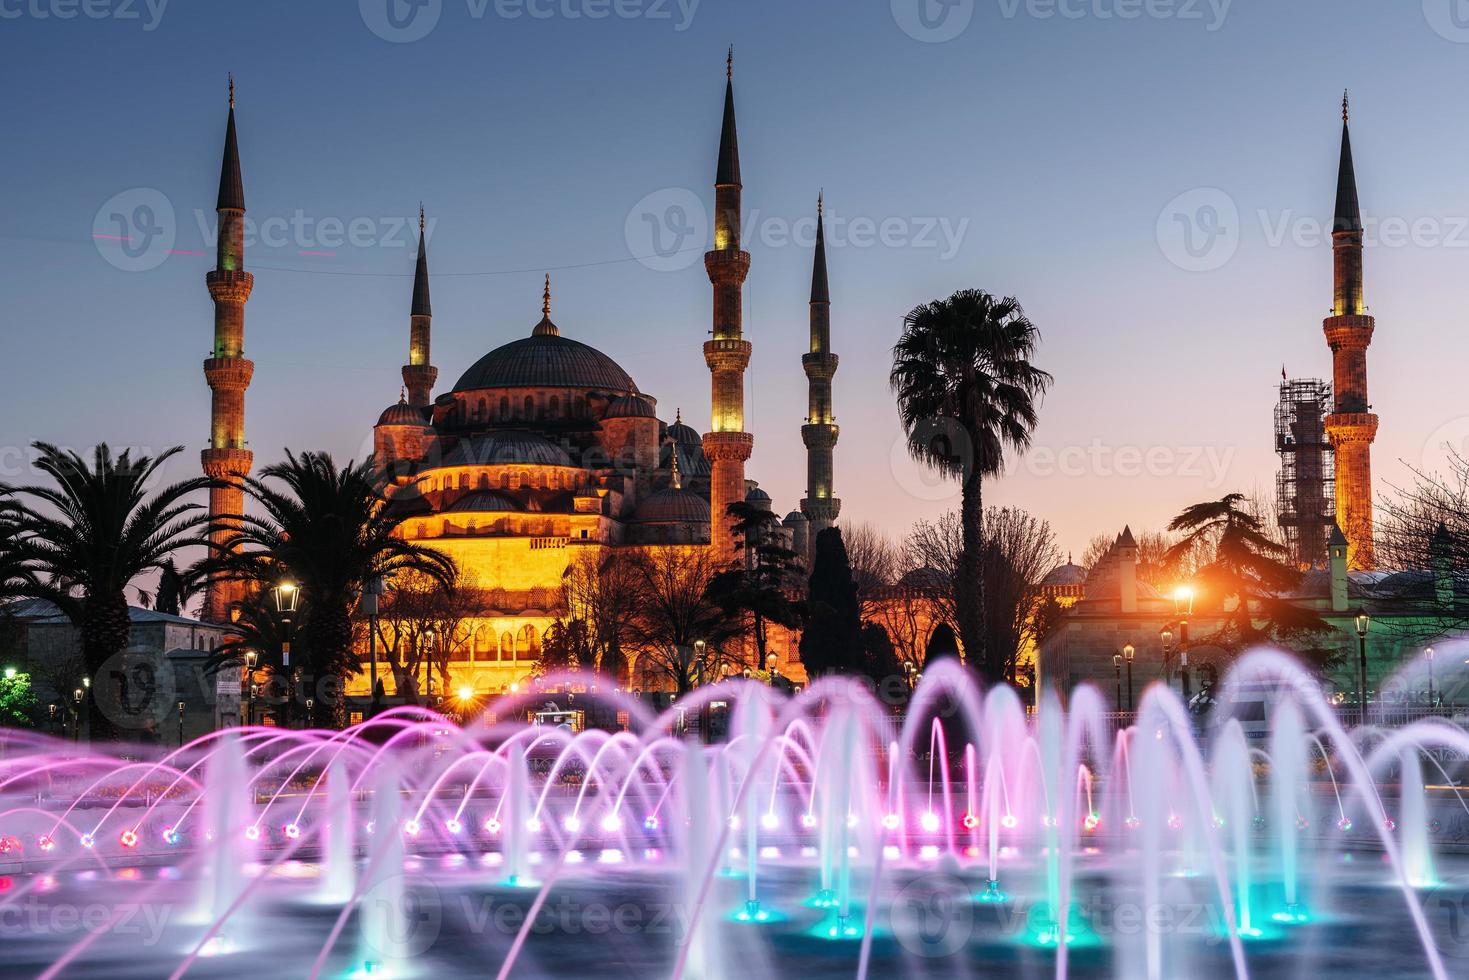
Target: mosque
545 448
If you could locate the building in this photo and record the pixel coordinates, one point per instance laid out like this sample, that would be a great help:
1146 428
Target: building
546 449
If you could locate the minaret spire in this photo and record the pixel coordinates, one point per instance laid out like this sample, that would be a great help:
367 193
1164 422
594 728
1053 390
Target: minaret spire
820 431
546 328
419 374
227 371
727 445
1351 427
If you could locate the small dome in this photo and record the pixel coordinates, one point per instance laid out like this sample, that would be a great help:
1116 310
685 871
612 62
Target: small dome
683 434
631 407
757 496
795 517
483 502
401 414
502 448
1067 574
672 507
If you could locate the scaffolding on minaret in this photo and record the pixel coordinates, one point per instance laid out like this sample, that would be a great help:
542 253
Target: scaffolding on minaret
1305 487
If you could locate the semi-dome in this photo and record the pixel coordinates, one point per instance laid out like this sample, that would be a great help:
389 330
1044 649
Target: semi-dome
672 506
401 414
483 502
507 448
546 360
631 407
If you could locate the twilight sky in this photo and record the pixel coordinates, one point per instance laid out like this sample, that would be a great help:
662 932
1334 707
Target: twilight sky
1149 177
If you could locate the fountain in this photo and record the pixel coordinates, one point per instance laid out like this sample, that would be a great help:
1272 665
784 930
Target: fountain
824 837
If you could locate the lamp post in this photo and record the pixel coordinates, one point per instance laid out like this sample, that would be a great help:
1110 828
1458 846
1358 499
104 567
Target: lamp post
1128 653
370 595
181 724
1429 654
251 656
1117 668
286 595
428 665
1183 605
76 728
1364 622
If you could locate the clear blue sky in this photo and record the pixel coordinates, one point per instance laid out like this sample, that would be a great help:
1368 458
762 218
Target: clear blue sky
1052 146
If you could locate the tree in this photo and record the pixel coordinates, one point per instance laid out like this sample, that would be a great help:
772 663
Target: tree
601 592
832 642
967 392
758 582
332 530
1425 525
1246 566
1157 564
1019 551
565 647
880 662
258 628
18 705
875 561
89 537
676 613
176 588
418 606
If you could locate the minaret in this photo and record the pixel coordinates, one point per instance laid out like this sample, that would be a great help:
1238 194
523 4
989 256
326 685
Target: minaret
419 374
1352 426
227 371
728 353
820 431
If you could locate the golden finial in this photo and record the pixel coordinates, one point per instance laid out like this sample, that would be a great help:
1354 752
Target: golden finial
729 65
820 201
420 218
402 395
546 298
677 479
678 416
1346 106
232 89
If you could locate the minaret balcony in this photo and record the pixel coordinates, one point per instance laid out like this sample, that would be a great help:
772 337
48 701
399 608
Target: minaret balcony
229 286
820 435
226 464
727 355
819 366
726 265
1351 332
229 372
1349 427
728 445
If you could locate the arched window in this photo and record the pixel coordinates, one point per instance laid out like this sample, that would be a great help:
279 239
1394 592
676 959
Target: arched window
479 411
529 645
482 649
553 407
507 646
504 409
505 481
484 481
530 407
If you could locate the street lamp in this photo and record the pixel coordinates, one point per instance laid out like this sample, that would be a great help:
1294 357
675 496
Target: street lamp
1364 622
1117 667
1429 654
1128 652
76 731
428 662
10 673
181 723
1183 606
370 596
286 595
250 657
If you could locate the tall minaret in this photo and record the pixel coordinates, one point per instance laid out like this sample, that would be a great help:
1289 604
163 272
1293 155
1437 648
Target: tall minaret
419 374
728 353
820 431
1352 426
227 371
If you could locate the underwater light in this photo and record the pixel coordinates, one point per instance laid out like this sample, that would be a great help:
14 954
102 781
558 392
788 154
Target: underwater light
1390 824
453 826
492 826
890 821
252 832
412 827
572 824
1132 823
46 843
1008 821
970 821
170 836
808 820
612 823
851 821
129 838
1091 822
1175 822
533 825
1344 824
650 822
929 822
769 820
734 822
292 831
88 840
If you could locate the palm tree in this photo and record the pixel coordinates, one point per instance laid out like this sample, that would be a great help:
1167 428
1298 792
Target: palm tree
85 541
966 392
332 530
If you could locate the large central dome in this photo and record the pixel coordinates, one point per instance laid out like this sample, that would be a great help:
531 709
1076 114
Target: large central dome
546 360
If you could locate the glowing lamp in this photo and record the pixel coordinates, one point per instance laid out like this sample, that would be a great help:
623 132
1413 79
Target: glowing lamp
612 823
292 831
572 824
492 826
769 821
129 838
929 822
650 822
453 826
890 821
412 827
808 820
970 821
46 844
1091 822
252 832
88 841
1008 821
533 825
